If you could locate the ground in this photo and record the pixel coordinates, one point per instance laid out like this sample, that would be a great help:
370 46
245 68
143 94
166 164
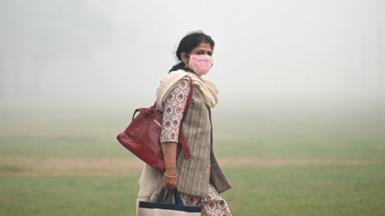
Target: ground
279 161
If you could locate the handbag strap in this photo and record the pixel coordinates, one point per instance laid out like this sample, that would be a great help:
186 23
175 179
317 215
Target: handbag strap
181 138
177 198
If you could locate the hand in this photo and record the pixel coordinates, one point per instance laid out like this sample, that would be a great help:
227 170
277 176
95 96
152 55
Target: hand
169 180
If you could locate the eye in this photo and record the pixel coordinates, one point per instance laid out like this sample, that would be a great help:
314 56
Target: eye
209 53
201 52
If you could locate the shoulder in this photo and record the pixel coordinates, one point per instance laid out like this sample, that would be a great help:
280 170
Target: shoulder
178 78
173 76
179 91
182 84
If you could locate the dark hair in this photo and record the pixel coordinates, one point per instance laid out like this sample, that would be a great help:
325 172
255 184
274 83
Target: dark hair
188 43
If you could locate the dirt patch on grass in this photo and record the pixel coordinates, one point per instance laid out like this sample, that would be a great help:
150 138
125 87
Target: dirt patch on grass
21 166
68 166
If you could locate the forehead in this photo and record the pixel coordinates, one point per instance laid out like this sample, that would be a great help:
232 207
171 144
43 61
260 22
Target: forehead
203 46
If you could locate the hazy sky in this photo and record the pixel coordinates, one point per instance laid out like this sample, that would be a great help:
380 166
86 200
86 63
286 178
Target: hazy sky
108 52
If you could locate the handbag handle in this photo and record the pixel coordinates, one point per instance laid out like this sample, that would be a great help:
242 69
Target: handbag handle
177 198
133 115
150 110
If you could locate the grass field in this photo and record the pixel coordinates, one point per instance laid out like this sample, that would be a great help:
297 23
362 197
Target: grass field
281 161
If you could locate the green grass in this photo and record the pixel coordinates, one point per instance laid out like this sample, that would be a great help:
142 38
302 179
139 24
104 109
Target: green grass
308 190
67 195
69 134
351 134
276 133
298 190
335 134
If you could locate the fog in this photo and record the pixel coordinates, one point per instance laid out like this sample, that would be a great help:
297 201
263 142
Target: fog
82 53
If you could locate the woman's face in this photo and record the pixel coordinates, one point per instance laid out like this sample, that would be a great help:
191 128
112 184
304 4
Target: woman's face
202 49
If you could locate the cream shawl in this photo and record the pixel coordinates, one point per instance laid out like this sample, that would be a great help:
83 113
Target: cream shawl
208 89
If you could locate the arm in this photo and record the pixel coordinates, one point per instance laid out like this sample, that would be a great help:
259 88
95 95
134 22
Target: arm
172 116
169 155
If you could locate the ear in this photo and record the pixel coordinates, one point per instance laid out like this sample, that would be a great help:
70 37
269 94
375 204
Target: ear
184 57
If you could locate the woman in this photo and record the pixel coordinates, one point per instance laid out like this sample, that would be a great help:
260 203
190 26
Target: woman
199 178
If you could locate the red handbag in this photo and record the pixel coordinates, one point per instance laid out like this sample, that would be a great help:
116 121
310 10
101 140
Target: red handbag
142 135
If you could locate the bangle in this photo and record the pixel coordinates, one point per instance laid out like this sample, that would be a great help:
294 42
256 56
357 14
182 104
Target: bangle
168 176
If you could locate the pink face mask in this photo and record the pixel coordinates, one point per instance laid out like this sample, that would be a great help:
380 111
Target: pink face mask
200 64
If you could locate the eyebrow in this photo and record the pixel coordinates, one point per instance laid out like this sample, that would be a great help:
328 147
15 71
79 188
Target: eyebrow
204 50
